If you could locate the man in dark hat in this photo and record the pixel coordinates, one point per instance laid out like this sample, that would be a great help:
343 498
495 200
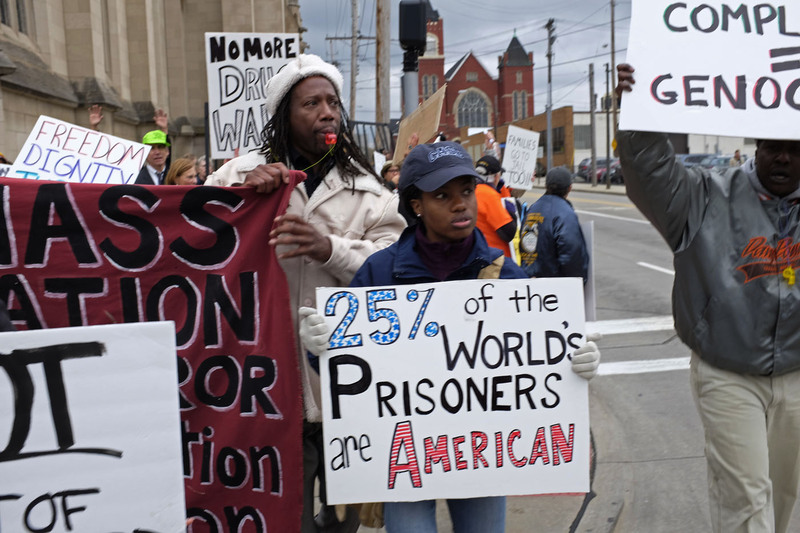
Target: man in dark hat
551 241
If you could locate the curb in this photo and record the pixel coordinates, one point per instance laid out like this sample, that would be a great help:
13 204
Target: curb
618 190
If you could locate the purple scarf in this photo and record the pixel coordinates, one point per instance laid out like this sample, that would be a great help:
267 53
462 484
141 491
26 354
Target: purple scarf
442 258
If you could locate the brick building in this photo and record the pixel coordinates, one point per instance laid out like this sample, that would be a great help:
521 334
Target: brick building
474 98
57 57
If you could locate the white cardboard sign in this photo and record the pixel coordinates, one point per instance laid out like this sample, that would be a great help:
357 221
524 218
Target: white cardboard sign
89 430
714 68
519 157
60 151
238 67
454 390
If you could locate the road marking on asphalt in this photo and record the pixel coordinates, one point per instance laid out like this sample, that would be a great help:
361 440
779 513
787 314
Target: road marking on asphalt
642 367
603 215
637 325
631 325
656 268
601 202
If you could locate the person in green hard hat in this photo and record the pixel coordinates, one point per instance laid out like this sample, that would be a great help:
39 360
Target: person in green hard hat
155 168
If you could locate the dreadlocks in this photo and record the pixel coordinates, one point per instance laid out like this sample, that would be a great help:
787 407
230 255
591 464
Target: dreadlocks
345 153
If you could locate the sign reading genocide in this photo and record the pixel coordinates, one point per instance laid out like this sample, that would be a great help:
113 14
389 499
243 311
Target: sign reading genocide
85 254
519 157
92 421
238 67
714 68
58 150
454 390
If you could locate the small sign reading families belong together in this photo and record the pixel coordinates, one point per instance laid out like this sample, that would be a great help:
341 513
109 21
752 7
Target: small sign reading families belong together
454 390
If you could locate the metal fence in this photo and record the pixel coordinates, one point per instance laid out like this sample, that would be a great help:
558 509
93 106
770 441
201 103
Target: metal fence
373 136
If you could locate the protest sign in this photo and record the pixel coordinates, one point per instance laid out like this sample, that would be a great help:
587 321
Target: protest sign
717 69
75 255
454 390
94 432
58 150
238 67
4 170
424 121
378 160
519 157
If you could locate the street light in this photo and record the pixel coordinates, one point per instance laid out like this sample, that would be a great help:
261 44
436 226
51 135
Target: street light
413 39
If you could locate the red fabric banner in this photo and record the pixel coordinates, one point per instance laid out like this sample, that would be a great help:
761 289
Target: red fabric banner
84 254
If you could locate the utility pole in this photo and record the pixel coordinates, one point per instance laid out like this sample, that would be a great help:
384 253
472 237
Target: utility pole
382 61
608 135
613 70
550 40
591 124
354 57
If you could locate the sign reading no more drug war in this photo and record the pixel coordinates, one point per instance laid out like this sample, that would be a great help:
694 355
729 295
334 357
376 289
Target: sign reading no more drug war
454 390
714 68
90 430
519 157
238 67
60 151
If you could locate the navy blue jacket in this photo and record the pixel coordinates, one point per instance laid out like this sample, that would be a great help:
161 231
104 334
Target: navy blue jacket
399 264
551 241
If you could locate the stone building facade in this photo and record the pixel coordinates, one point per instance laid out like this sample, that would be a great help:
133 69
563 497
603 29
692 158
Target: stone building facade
58 57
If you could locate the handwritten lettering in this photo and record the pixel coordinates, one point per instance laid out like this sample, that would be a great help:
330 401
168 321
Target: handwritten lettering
552 452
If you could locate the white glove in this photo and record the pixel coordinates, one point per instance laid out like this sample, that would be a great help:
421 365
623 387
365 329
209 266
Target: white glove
314 332
586 359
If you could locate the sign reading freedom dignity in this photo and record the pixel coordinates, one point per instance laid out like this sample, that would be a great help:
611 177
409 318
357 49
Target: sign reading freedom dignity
714 68
454 390
60 151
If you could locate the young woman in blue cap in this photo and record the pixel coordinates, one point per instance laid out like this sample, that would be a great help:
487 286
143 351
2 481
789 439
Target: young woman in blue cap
437 197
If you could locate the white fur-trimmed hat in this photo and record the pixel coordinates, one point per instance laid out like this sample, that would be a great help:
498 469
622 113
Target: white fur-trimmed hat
304 66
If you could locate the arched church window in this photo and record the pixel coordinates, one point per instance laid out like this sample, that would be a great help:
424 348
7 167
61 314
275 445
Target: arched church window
473 110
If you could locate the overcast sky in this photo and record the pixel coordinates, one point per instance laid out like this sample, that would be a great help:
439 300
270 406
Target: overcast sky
582 29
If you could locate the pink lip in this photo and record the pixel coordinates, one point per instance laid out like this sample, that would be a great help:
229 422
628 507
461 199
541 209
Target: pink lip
462 222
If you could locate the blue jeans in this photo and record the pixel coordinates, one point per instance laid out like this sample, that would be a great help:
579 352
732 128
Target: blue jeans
471 515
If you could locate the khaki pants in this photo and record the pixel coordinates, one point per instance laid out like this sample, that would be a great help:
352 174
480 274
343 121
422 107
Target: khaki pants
752 431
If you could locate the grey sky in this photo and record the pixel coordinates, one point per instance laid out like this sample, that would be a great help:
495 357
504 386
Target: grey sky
485 28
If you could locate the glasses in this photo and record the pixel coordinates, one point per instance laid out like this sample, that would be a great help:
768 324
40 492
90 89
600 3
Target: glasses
393 171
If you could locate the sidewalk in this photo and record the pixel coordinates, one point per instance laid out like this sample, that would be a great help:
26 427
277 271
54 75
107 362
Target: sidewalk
582 186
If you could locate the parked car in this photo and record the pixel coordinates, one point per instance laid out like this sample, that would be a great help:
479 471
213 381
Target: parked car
720 163
690 160
585 168
615 173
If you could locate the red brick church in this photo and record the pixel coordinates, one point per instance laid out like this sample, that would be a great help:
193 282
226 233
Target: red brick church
474 98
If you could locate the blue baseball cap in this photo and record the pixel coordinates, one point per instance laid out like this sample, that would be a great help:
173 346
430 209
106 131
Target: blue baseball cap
429 166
